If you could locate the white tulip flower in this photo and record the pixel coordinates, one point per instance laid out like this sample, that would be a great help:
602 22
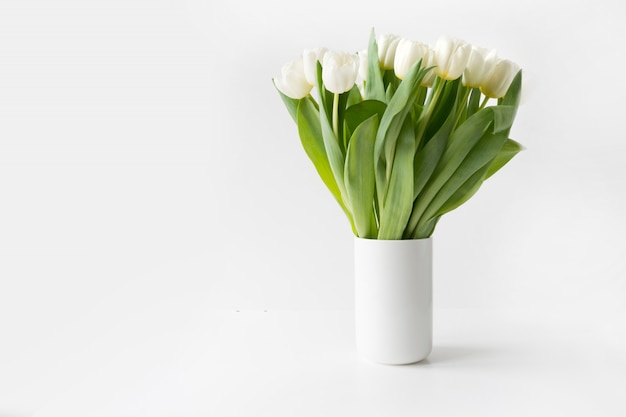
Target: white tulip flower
339 71
387 45
479 66
407 54
451 57
311 58
500 79
292 81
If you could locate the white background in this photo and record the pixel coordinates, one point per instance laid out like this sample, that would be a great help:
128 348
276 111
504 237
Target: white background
149 169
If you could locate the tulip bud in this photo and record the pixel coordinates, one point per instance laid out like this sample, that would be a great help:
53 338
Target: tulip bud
479 66
339 71
311 57
387 45
292 81
407 54
451 57
498 82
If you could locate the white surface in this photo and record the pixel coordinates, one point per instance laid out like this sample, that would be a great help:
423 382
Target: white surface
304 363
149 175
393 299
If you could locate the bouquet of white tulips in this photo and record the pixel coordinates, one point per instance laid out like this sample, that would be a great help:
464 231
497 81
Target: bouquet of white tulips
403 133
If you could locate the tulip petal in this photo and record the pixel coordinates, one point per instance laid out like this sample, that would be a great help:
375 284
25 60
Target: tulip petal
292 81
339 71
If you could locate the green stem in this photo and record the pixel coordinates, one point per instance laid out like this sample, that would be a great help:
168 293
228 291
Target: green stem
484 103
421 95
437 87
461 109
429 107
336 115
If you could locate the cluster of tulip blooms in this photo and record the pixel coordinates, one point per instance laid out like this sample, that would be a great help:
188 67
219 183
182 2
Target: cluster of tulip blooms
450 59
401 132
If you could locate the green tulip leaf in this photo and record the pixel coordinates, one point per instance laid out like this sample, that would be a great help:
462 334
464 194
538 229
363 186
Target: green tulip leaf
374 86
341 110
390 81
503 116
290 103
357 114
474 102
326 97
478 159
508 151
464 192
309 130
442 108
513 94
359 176
460 143
426 231
427 158
334 151
390 125
398 202
391 89
354 97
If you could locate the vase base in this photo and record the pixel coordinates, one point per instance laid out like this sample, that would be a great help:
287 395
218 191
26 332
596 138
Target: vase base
396 361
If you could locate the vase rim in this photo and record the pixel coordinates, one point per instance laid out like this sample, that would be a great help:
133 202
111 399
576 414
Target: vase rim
392 240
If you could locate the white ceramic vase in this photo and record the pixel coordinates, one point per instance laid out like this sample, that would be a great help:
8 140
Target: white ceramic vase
393 299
